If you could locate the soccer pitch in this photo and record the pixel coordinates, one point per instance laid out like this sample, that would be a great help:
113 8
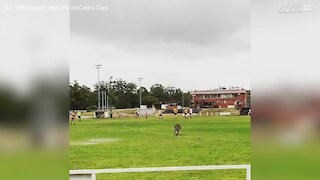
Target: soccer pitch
132 143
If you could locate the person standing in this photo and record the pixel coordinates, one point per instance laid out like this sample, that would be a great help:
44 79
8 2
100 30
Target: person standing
190 112
186 112
175 112
79 115
160 114
137 114
73 117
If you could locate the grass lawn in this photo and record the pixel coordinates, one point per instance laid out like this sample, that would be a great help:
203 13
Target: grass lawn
125 143
215 111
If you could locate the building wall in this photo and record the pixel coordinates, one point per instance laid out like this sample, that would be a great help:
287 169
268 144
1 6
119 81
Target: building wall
221 102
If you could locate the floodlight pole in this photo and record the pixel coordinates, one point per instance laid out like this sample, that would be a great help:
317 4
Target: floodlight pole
140 79
102 98
109 103
98 67
105 99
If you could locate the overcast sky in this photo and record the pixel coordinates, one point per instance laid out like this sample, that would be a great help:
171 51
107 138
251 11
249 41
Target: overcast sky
183 43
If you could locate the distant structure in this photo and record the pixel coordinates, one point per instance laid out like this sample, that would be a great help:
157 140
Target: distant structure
233 97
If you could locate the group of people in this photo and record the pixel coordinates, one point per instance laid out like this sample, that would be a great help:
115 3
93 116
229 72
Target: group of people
138 114
74 115
187 113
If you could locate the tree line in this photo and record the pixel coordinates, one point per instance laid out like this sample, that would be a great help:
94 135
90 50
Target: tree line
123 94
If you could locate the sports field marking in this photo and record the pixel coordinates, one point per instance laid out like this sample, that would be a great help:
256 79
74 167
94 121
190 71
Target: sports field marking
95 141
92 173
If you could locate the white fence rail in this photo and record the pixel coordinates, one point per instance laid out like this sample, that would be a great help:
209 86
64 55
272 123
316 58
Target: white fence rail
91 174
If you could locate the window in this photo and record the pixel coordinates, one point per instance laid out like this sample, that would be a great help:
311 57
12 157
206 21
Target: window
214 96
227 96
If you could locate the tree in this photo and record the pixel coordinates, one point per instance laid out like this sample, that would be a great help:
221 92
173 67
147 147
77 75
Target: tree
123 94
187 99
81 97
158 91
144 91
150 100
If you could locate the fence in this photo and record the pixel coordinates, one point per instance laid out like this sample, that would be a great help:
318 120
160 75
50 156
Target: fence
91 174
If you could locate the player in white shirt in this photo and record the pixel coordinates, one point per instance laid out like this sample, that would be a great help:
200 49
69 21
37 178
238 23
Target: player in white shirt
160 114
190 112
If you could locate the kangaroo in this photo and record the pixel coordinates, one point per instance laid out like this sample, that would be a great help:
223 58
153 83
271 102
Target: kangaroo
177 129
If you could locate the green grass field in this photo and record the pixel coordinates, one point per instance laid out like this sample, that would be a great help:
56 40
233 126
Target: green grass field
127 143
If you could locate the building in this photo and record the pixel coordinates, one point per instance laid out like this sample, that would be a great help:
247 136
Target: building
221 98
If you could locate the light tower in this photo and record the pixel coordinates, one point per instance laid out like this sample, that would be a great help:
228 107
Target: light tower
109 98
98 66
140 79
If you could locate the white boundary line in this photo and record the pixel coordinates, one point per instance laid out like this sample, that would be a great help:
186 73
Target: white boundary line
93 172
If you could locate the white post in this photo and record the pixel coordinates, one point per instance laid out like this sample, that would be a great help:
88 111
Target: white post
98 67
140 79
105 99
207 113
102 100
98 91
248 173
108 102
